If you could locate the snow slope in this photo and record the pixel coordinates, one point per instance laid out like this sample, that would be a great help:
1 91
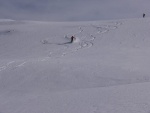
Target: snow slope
105 70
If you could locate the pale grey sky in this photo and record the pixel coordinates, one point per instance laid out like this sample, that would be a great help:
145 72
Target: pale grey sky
73 10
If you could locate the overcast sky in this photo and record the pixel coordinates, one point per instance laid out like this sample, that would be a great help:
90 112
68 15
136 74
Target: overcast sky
73 10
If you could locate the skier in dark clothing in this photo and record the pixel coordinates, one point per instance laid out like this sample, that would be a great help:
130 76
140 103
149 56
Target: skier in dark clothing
72 39
143 15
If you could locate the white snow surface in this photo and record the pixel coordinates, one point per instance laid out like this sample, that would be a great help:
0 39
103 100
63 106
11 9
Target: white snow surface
105 70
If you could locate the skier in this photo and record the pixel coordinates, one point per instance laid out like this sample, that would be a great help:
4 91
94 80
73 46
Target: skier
72 39
143 15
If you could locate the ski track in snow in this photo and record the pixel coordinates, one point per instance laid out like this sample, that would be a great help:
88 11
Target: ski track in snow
85 39
6 66
12 65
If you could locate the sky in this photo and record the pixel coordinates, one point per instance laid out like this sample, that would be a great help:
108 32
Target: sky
73 10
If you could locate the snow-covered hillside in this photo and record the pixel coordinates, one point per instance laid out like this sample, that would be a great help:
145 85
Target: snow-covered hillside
105 70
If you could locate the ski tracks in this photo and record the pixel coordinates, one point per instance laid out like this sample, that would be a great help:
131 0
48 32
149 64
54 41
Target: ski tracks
87 34
12 65
85 38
